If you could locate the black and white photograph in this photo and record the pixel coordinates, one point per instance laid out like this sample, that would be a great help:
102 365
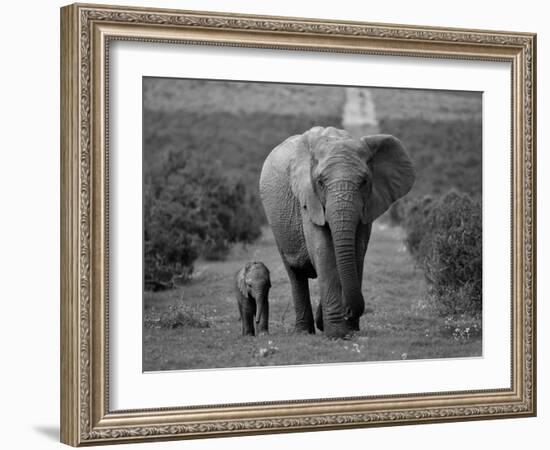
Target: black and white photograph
289 224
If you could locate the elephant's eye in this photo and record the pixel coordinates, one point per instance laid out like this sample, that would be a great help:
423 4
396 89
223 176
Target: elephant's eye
320 182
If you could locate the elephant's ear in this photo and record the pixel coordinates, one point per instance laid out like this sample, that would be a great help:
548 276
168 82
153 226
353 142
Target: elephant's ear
392 170
241 282
267 274
300 182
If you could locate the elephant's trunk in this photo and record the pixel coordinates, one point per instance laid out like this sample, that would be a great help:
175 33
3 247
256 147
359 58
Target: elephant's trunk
343 221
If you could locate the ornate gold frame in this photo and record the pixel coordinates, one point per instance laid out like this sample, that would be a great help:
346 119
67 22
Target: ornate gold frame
86 31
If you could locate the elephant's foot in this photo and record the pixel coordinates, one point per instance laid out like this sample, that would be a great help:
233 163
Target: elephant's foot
344 329
337 330
262 332
319 318
248 331
304 328
353 323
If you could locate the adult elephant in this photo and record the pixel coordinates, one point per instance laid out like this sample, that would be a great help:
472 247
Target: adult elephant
321 192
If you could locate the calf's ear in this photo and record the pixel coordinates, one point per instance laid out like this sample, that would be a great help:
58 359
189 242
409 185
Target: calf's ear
241 280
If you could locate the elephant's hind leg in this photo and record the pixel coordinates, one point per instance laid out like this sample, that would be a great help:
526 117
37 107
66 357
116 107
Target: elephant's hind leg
302 302
319 317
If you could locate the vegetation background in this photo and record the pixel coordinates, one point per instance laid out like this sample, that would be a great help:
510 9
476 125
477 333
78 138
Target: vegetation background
204 145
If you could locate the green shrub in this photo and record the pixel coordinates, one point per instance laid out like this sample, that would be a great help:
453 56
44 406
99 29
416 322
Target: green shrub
445 238
417 216
170 247
192 208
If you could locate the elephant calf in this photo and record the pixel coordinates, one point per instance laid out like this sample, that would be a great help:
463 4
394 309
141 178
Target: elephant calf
252 285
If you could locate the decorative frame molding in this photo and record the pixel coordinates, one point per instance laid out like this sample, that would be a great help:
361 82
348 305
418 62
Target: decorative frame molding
86 31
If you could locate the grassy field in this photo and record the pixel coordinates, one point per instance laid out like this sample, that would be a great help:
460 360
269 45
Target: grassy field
196 326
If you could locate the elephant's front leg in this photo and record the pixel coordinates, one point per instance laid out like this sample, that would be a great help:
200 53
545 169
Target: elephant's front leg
263 323
361 243
330 313
248 324
247 317
302 303
331 310
319 317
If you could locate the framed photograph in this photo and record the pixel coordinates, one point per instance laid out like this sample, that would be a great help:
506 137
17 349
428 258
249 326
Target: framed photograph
276 224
